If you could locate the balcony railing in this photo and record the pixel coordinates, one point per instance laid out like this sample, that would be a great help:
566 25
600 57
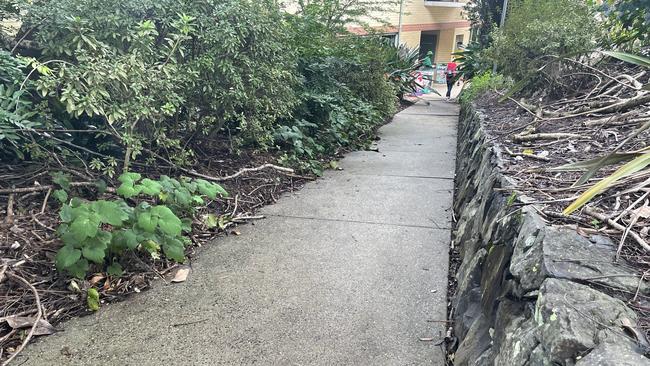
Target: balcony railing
445 3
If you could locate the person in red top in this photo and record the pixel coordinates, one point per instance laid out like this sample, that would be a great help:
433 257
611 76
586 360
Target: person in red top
451 76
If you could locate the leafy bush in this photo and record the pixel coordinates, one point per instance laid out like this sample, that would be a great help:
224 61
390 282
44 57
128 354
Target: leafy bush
484 16
628 20
472 61
481 84
536 29
102 231
16 108
156 73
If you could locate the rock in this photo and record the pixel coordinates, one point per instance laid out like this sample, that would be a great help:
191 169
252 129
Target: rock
542 252
518 343
469 273
612 353
493 278
526 264
509 316
571 316
466 311
476 342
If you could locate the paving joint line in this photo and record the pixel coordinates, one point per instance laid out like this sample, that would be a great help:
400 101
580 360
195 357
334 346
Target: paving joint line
404 176
428 114
436 227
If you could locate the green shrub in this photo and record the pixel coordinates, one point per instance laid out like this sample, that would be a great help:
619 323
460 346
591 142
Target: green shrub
628 21
481 84
155 73
102 231
17 111
536 29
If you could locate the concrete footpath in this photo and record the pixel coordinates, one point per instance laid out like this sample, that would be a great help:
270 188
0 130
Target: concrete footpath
351 270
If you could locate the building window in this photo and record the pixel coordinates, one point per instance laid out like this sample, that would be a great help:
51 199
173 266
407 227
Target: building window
460 44
391 38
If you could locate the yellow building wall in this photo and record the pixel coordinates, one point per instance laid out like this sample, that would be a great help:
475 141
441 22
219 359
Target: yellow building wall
411 39
446 44
417 13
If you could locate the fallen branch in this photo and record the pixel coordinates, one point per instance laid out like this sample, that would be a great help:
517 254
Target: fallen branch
9 220
591 212
243 171
221 179
11 191
532 156
545 136
39 315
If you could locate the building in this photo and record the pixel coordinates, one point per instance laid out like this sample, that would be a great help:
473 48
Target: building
432 25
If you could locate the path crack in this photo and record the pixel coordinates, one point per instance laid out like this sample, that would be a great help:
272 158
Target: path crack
435 227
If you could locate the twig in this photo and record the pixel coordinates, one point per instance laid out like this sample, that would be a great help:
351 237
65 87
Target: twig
9 220
545 136
532 156
39 315
190 323
42 224
633 222
632 206
47 196
11 191
591 212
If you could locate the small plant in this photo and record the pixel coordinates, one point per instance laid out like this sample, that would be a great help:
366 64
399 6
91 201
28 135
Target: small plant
481 84
102 231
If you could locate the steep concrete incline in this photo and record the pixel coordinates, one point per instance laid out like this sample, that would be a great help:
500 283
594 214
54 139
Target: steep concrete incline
351 270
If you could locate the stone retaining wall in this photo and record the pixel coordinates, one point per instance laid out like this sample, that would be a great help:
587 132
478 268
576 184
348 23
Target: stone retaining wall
530 293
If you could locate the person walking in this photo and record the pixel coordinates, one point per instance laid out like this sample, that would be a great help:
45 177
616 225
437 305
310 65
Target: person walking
451 73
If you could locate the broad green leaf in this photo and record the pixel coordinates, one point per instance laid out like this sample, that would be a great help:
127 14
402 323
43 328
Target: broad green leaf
67 256
186 225
66 213
128 190
94 250
62 180
150 187
129 177
211 190
183 197
115 269
168 222
124 239
110 212
174 249
79 269
84 226
92 298
630 168
628 57
147 221
60 195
